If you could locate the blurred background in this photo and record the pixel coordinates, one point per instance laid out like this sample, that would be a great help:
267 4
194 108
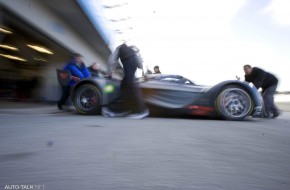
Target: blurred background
37 37
207 41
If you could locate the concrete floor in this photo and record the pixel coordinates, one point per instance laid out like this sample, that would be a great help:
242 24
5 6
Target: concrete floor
62 150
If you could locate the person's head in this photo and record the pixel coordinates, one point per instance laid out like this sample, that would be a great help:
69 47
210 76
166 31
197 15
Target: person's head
156 69
96 66
77 57
247 69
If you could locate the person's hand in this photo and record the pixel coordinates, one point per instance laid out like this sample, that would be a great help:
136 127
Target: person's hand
75 78
108 76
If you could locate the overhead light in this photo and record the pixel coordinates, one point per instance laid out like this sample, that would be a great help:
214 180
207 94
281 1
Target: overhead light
40 49
8 47
40 59
13 57
5 31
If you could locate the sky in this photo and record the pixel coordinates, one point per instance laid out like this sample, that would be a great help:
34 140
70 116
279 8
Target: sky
207 41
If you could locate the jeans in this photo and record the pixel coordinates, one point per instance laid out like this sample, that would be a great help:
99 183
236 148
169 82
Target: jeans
268 97
65 95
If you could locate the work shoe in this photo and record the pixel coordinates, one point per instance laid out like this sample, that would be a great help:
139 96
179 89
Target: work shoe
59 106
267 116
141 115
106 112
275 115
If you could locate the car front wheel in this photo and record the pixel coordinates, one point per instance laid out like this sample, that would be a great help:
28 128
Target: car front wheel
87 99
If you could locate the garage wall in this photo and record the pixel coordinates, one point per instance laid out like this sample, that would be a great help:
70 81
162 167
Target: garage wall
41 17
51 25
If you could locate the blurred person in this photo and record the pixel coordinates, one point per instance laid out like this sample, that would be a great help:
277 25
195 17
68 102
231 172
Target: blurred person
78 71
148 72
268 82
131 100
157 70
95 70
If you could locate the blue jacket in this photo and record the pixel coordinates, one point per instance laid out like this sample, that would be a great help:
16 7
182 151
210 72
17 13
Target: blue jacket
77 71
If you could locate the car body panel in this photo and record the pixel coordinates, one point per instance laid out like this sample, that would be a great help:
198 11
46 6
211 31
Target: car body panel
178 95
170 95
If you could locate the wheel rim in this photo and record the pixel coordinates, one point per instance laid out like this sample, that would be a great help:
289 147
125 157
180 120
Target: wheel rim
235 103
87 99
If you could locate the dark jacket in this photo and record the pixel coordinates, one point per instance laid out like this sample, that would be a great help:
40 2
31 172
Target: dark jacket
124 52
76 70
261 78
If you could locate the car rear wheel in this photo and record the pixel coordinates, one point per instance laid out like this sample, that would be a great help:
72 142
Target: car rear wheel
87 99
234 103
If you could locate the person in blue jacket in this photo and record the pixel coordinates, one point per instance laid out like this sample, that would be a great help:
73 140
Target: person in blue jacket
78 71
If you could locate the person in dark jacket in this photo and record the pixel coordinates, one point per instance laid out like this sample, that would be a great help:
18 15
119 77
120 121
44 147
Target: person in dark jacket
78 71
268 82
157 70
131 100
95 70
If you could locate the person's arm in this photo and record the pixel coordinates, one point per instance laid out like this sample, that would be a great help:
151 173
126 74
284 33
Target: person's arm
139 61
86 72
248 78
76 72
102 72
113 61
259 77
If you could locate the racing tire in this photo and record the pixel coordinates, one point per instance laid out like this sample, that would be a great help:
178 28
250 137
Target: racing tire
87 99
234 103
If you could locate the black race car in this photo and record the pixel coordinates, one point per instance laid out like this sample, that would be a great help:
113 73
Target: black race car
174 94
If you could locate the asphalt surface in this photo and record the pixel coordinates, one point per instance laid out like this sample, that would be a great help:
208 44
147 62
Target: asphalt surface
62 150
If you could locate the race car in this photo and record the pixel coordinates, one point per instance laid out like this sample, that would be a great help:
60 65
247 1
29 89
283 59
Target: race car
175 95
